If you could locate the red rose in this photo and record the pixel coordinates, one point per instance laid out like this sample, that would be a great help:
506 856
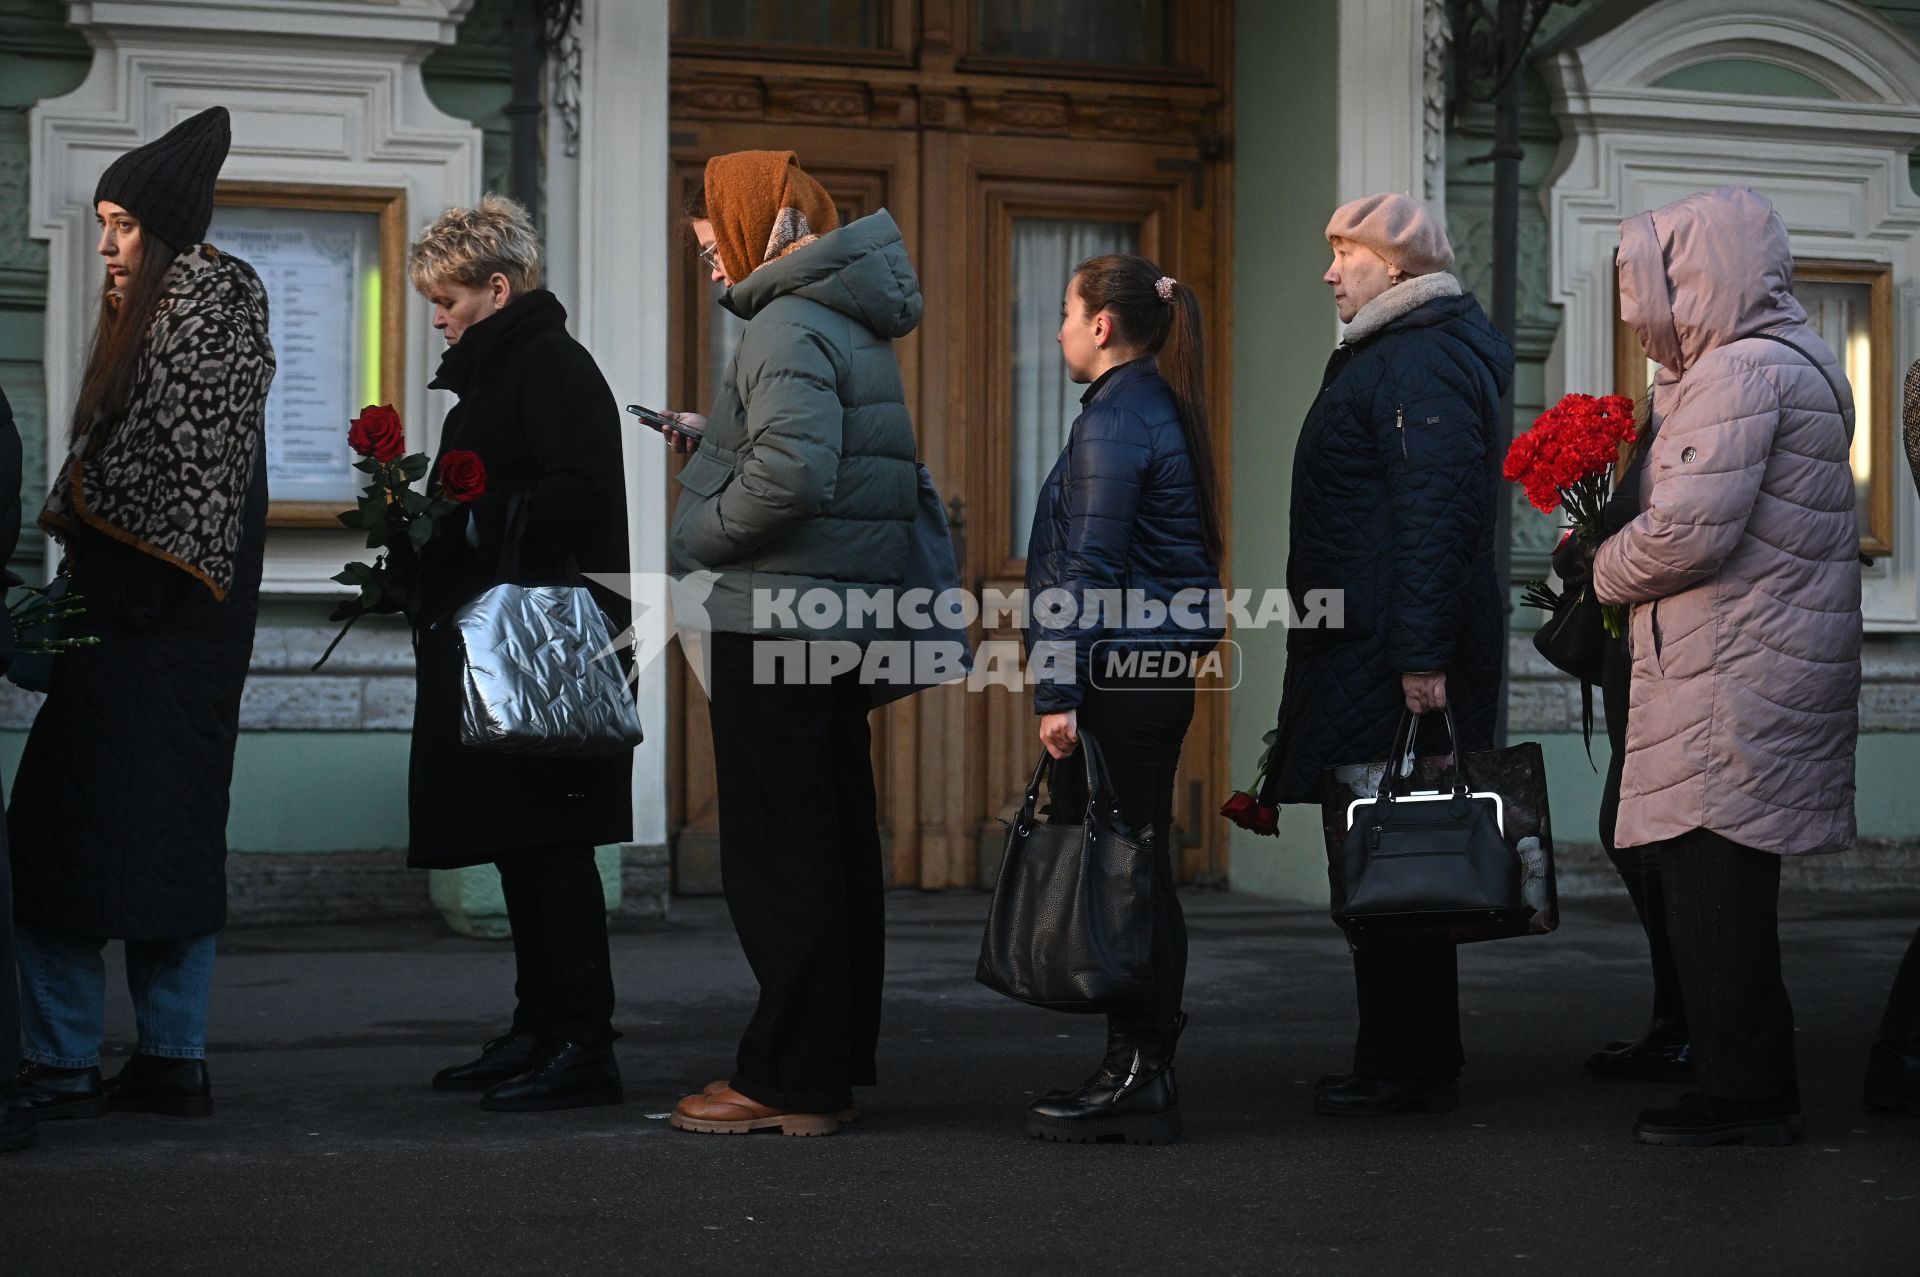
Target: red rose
377 433
1239 808
1266 820
463 476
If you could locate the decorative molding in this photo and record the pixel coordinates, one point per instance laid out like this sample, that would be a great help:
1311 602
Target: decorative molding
320 93
563 78
882 98
1382 100
1838 171
1436 37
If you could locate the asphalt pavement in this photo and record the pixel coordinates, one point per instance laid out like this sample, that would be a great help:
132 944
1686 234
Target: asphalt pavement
329 1154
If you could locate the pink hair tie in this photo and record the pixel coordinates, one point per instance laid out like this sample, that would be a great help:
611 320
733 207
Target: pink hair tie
1164 286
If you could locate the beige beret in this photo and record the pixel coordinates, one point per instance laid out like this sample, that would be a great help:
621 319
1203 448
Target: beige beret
1399 228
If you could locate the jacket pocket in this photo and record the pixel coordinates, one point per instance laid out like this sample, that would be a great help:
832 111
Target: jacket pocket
705 474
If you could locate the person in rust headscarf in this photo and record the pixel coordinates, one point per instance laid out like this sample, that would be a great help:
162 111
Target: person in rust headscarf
802 492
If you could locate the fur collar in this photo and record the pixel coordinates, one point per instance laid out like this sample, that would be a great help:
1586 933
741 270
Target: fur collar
1399 300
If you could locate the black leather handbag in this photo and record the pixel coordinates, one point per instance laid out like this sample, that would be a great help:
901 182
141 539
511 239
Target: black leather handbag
1425 859
1574 637
1071 924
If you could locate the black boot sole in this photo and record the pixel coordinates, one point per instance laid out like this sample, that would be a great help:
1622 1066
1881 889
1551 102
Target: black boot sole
1440 1102
555 1103
1142 1128
165 1105
1888 1102
1753 1134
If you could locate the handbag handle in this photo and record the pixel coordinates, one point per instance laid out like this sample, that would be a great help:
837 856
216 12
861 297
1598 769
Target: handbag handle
1409 723
507 571
1098 784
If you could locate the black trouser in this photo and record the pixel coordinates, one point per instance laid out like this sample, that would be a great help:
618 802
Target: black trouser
1409 1011
9 978
1723 916
1639 867
1139 726
800 863
1900 1026
563 975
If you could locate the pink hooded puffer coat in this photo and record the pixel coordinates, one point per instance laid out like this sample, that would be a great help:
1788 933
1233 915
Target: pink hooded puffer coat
1743 567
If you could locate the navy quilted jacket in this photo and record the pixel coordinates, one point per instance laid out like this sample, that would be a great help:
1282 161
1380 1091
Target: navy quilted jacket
1395 484
1119 512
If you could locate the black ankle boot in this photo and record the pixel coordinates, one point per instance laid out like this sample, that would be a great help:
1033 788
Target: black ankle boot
1662 1055
17 1129
154 1084
1357 1096
1893 1077
505 1057
45 1093
569 1076
1131 1099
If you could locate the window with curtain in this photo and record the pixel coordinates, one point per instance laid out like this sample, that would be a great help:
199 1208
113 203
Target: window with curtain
1111 32
1841 313
831 24
1045 402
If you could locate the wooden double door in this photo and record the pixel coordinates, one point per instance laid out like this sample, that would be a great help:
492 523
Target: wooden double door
994 224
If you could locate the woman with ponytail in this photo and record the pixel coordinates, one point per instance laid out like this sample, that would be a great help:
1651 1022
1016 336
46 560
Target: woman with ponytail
1130 511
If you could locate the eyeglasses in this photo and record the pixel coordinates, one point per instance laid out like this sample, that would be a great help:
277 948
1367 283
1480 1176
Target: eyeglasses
711 256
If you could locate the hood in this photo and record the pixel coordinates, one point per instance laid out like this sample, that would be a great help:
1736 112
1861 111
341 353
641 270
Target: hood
1704 271
860 270
204 280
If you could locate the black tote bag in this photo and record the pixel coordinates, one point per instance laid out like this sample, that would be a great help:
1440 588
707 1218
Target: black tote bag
1071 924
1428 862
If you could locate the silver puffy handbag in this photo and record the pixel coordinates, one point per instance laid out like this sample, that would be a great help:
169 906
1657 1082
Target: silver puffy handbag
539 673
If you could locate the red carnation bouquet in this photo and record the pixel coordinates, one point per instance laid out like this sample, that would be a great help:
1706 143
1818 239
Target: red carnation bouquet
399 519
1566 461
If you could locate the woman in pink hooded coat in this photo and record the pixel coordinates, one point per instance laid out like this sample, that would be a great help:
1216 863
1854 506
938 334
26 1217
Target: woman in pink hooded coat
1744 575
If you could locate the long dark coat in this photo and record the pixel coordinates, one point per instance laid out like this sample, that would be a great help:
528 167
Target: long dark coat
535 408
119 818
119 814
1394 488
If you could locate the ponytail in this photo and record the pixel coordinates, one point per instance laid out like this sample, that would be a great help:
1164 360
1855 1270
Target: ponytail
1162 316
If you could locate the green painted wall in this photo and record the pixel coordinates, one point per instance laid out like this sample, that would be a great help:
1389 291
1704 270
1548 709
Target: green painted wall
1283 331
40 57
1744 75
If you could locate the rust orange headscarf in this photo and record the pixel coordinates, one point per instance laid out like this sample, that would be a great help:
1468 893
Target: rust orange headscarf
763 206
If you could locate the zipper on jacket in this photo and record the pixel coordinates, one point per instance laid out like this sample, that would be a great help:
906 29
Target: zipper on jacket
1400 427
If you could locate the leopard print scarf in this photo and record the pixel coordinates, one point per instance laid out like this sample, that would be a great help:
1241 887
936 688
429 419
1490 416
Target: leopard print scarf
170 478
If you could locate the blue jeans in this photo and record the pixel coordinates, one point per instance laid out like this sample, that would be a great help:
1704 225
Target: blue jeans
63 986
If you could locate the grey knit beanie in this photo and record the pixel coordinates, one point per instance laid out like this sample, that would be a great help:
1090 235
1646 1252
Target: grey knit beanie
168 183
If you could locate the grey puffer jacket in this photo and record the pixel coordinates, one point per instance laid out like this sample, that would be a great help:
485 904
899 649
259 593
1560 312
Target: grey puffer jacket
805 478
1743 568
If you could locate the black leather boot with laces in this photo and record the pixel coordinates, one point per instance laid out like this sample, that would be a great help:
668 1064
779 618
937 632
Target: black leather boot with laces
1131 1099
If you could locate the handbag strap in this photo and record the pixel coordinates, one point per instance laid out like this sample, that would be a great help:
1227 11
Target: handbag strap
1099 784
1409 724
1839 402
513 536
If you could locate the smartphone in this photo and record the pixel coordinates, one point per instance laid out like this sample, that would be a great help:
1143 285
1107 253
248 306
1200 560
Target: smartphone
661 421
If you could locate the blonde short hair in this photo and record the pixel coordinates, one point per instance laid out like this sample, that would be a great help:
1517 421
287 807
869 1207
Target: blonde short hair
470 245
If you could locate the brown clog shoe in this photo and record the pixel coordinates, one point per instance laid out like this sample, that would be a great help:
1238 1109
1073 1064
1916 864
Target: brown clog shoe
847 1115
727 1112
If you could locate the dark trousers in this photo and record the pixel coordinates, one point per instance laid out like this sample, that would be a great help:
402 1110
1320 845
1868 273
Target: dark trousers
1409 1011
1723 917
9 978
1139 726
1639 867
800 864
1900 1026
563 976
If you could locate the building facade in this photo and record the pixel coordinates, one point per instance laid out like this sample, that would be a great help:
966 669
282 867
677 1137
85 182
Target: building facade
1010 139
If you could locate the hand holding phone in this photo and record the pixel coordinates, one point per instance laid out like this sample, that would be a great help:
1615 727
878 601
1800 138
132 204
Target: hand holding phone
681 430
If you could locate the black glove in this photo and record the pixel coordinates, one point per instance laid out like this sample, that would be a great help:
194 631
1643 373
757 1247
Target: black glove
1573 563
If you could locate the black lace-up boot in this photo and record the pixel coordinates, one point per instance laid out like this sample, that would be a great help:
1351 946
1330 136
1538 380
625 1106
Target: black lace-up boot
1132 1098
